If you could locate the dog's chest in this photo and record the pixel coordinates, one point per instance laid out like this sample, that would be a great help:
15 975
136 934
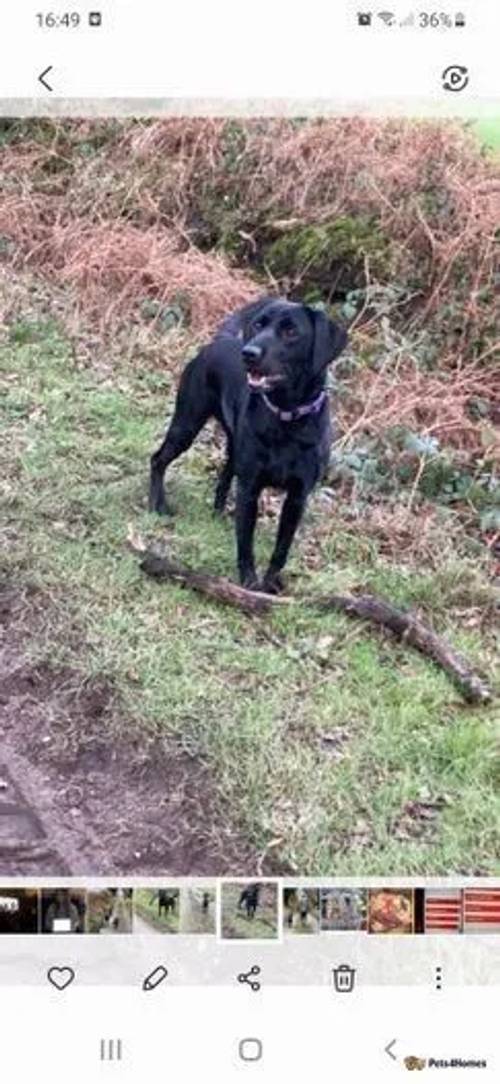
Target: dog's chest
283 452
281 463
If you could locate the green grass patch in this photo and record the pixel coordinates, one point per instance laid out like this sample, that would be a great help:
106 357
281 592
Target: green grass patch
488 131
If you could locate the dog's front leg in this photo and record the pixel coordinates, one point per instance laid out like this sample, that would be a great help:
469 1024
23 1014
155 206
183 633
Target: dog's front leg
247 498
291 515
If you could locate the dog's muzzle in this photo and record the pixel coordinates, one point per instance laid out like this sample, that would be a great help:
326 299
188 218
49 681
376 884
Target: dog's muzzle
252 356
252 353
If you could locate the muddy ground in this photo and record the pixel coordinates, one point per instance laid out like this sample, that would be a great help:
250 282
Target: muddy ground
93 806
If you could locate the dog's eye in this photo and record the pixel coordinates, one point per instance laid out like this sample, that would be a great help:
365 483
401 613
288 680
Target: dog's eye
258 325
288 331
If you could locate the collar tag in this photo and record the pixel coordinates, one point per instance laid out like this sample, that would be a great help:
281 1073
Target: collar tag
298 412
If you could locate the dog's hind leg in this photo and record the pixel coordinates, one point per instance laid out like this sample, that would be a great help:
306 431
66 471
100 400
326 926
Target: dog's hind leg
178 439
225 478
193 408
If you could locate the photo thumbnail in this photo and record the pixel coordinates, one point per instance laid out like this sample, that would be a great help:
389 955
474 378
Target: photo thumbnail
19 910
109 910
249 911
198 910
156 910
481 910
63 910
343 909
443 910
301 910
391 911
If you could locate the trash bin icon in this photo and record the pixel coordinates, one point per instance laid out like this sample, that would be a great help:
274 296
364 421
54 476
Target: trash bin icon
343 978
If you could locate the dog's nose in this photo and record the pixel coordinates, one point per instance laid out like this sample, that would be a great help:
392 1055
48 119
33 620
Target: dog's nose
252 352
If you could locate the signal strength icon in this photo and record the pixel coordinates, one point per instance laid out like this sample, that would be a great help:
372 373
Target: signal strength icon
409 20
388 17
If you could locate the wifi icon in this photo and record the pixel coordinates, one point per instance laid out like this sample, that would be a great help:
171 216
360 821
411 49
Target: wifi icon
388 17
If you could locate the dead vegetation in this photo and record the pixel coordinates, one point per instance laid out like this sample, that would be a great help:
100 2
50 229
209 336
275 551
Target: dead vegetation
73 191
168 225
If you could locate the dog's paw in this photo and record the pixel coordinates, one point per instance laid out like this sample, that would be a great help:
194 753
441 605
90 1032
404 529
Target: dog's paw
160 506
250 581
273 583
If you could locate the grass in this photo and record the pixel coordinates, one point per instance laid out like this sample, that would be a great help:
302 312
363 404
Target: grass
488 130
319 735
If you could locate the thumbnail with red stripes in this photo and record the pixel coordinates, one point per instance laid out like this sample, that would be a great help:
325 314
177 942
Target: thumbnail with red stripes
443 910
481 910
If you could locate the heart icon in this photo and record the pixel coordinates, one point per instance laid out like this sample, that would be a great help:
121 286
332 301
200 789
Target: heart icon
60 977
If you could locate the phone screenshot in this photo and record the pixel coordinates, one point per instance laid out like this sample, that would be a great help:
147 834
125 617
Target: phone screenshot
250 541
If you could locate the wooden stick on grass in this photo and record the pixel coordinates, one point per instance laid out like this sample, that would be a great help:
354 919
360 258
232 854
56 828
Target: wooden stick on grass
409 628
252 602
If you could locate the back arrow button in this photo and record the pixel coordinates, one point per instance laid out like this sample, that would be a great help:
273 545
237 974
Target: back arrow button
388 1050
42 80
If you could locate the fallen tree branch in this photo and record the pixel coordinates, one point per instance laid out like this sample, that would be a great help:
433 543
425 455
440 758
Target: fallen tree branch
252 602
409 628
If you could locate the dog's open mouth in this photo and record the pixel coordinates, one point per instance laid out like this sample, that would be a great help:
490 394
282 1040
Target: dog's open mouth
261 381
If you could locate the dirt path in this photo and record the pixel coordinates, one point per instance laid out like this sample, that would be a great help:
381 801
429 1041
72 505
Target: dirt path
192 916
140 926
75 801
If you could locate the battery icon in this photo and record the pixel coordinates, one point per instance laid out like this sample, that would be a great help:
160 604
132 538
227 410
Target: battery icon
95 18
460 19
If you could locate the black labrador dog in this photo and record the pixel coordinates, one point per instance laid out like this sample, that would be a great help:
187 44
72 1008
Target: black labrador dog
263 378
166 902
249 899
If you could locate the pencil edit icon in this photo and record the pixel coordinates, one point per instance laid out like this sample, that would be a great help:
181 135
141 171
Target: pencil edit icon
155 977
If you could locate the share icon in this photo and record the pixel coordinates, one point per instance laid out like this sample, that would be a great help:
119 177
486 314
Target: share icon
245 976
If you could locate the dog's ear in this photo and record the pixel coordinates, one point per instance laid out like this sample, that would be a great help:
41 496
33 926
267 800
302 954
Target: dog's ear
330 339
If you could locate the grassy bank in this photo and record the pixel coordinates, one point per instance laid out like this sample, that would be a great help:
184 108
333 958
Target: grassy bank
331 748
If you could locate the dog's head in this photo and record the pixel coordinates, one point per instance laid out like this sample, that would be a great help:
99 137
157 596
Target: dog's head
287 343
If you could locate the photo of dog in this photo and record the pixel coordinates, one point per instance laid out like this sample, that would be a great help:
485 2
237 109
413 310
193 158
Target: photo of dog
250 556
301 910
249 911
157 910
343 909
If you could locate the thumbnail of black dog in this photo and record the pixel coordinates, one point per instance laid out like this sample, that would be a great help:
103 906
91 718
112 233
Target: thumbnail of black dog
166 902
263 378
249 899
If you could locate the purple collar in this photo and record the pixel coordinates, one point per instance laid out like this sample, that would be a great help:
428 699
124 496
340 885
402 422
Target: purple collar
297 412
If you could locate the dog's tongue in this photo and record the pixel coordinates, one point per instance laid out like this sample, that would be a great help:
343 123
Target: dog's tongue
257 381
